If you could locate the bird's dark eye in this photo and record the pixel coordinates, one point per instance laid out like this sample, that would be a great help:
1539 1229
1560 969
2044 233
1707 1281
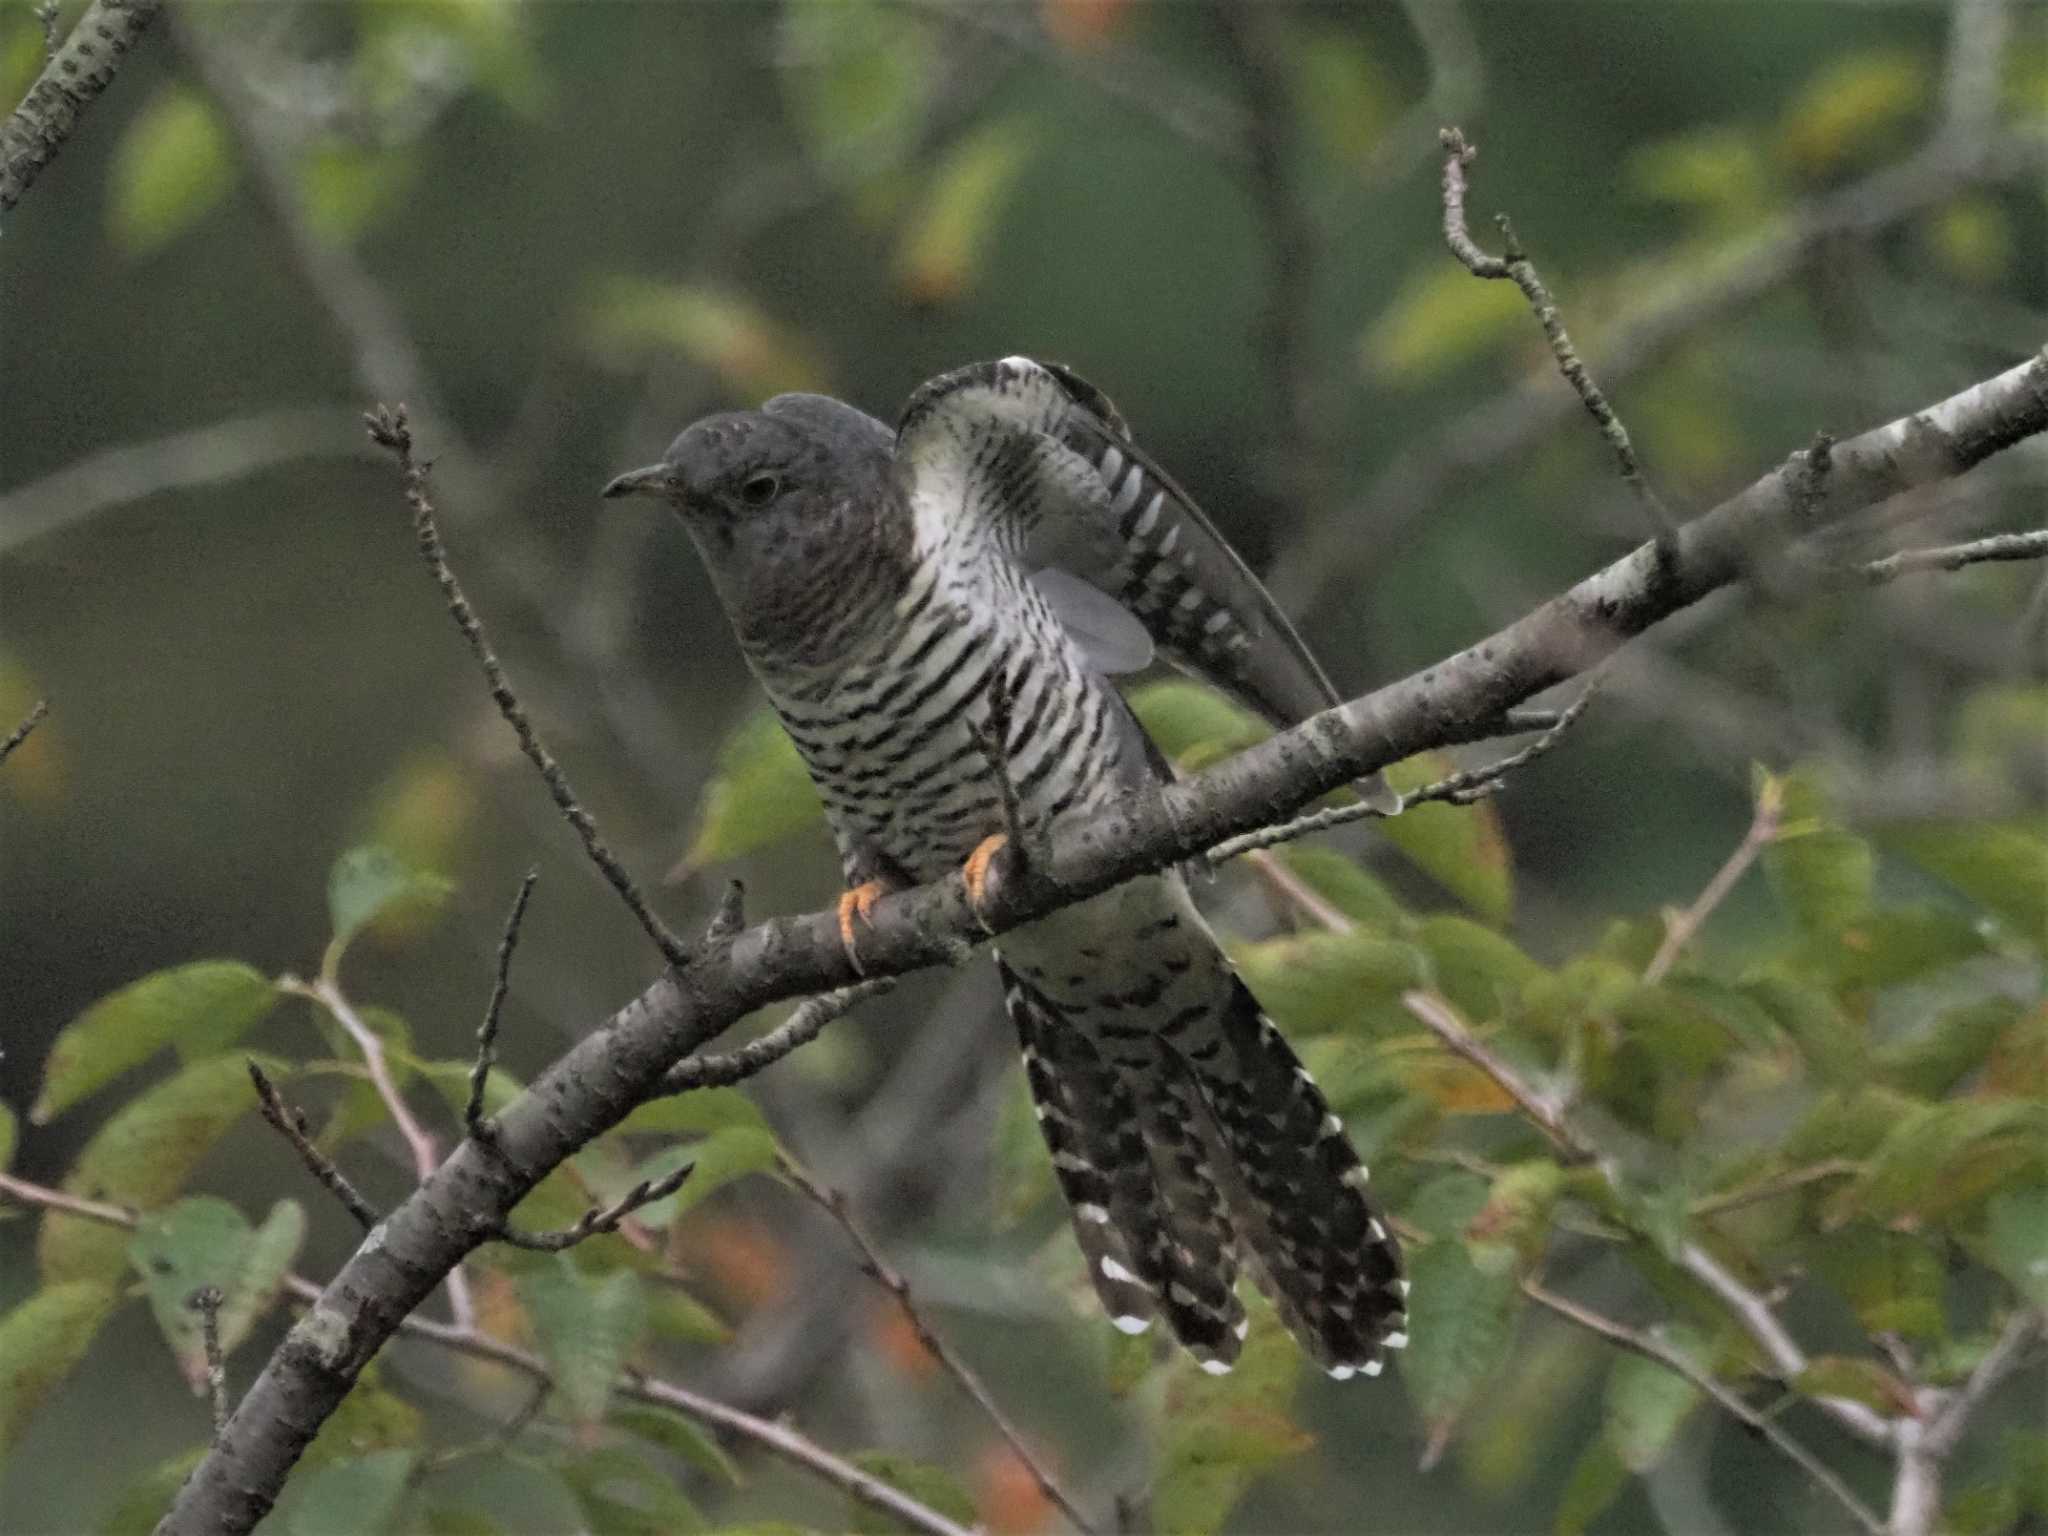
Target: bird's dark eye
759 490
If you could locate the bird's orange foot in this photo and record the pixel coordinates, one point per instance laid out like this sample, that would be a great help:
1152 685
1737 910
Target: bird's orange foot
975 873
857 903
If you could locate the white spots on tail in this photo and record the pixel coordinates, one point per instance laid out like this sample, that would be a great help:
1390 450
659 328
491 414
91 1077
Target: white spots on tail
1343 1372
1216 1367
1150 519
1244 1326
1131 1325
1128 494
1396 1341
1357 1178
1373 1367
1090 1212
1403 1287
1372 1225
1112 461
1332 1126
1115 1271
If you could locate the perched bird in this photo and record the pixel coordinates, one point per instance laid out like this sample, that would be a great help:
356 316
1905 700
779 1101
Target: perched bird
935 613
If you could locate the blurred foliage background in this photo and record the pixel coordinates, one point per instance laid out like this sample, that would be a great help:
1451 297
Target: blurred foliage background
559 232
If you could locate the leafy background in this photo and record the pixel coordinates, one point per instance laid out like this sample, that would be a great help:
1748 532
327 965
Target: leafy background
269 763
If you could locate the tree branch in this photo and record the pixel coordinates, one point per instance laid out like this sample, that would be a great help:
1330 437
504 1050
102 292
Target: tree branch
833 1203
776 1439
1639 1343
601 1078
70 82
22 731
1678 931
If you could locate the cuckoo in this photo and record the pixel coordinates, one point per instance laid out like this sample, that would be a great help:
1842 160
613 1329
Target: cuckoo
936 614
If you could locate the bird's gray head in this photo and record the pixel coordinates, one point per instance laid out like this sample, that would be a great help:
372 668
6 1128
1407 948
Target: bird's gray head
795 514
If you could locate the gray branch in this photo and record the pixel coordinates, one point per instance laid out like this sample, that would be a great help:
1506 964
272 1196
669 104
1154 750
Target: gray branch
597 1082
73 79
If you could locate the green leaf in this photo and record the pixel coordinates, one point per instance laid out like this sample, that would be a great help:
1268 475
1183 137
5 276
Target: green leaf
1598 1476
622 1494
1318 982
1855 107
1476 968
200 1008
1647 1403
860 78
697 1113
40 1341
1822 875
720 1158
1340 881
1893 1281
945 244
1193 724
675 1314
1946 1155
372 886
1463 848
142 1157
1901 944
1462 1322
1225 1432
931 1486
587 1326
143 1505
1836 1046
627 320
345 185
1848 1124
351 1498
2016 1240
679 1437
9 1133
1342 91
1441 318
1998 865
1514 1223
761 794
170 168
1859 1380
1933 1060
203 1241
370 1418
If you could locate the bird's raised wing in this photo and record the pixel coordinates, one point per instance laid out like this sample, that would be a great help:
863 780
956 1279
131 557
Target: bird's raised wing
1035 457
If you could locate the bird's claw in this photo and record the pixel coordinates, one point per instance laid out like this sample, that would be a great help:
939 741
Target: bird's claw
857 903
975 874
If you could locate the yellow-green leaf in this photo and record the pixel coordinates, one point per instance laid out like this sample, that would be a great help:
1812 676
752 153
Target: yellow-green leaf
948 236
678 1436
1462 847
1477 969
1192 724
761 794
1315 982
1461 1321
1647 1403
627 319
1851 111
1225 1432
171 166
200 1008
2003 866
141 1158
40 1341
621 1493
2016 1240
1442 318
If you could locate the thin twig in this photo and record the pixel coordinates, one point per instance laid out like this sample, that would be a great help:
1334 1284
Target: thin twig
1640 1343
473 1120
730 916
776 1439
800 1028
426 1152
834 1204
291 1124
388 429
1460 788
21 732
598 1220
206 1301
2032 545
1516 267
1999 1362
45 13
1545 1111
1679 930
1776 1185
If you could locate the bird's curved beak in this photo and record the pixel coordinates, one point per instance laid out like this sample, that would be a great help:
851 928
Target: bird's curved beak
654 480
